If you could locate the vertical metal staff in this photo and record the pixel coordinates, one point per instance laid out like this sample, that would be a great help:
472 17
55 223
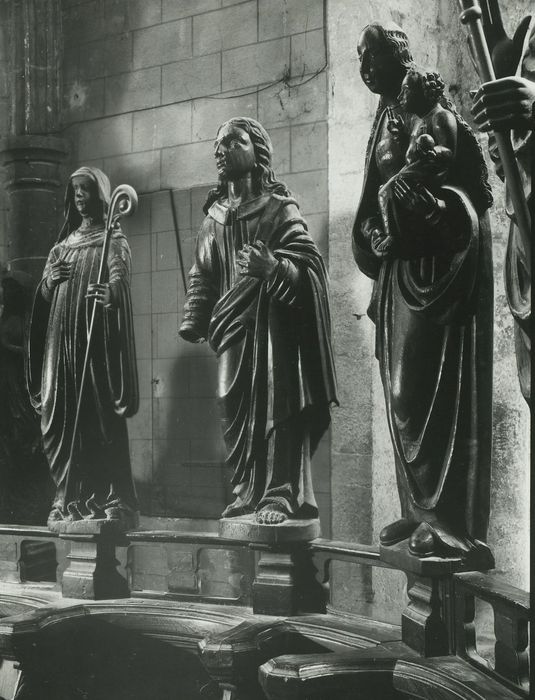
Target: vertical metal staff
124 200
471 16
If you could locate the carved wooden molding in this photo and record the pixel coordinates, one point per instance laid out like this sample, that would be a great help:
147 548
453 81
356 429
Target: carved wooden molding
384 671
511 619
446 677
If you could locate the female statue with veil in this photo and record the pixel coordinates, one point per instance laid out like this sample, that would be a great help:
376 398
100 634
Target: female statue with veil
91 469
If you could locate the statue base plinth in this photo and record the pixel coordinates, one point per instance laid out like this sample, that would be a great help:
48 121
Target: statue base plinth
399 556
427 623
478 558
284 582
92 573
101 526
245 527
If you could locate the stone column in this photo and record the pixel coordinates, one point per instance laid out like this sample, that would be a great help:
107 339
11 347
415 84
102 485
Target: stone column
36 51
33 186
31 153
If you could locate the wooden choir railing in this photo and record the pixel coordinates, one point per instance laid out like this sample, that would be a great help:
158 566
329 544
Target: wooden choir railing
182 567
510 606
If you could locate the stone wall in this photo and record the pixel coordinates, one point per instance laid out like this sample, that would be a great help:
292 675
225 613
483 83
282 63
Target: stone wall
146 84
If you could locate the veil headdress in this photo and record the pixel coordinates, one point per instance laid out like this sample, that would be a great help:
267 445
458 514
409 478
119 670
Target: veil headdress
73 218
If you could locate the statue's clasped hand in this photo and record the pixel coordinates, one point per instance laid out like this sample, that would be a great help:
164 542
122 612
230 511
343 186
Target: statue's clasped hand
99 293
60 271
256 260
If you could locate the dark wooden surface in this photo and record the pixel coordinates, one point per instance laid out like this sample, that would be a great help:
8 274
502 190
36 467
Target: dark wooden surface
390 672
333 655
233 658
511 613
492 587
447 678
126 650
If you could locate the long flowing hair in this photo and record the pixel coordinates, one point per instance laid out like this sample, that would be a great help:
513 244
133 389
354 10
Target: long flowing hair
396 42
264 179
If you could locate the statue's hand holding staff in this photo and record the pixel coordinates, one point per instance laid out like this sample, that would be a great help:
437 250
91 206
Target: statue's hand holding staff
99 293
257 260
507 103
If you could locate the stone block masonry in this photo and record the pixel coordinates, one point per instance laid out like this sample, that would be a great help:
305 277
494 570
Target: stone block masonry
225 29
162 43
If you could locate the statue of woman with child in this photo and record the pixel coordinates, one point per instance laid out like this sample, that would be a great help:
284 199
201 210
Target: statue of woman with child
422 234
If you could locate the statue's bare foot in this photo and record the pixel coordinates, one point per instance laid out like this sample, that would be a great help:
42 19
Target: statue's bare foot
272 514
235 509
55 515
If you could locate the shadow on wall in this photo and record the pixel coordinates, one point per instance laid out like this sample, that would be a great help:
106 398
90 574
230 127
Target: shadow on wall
176 443
189 476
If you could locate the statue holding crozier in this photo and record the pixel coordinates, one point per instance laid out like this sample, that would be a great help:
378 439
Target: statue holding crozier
82 371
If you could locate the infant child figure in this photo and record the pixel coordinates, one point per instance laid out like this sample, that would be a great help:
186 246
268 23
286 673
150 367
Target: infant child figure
430 152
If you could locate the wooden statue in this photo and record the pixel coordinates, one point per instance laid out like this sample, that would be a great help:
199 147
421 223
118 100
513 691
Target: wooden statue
431 305
258 293
431 148
501 105
85 440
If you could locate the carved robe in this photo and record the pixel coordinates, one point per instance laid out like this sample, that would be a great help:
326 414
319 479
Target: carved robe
276 372
58 341
432 308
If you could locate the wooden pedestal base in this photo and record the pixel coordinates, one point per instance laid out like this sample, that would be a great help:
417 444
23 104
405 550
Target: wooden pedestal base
427 624
91 573
285 582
